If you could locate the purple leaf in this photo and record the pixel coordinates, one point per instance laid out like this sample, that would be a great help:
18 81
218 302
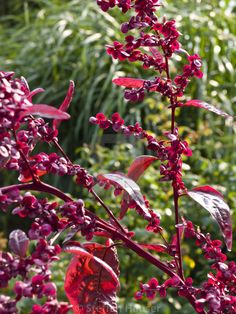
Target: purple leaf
128 82
46 112
213 201
202 104
92 278
130 187
65 104
18 242
136 169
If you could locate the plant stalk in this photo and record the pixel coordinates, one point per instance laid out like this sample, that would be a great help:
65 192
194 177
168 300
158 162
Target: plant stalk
108 211
178 236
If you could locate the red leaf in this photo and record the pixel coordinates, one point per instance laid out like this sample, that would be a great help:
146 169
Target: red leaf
66 103
28 177
46 112
136 169
202 104
128 82
18 242
92 278
155 247
139 165
129 186
213 201
34 92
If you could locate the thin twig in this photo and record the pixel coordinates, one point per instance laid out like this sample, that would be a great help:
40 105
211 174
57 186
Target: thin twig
108 211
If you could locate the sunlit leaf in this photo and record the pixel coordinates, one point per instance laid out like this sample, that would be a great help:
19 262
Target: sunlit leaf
45 111
34 92
130 187
136 169
213 201
202 104
139 165
26 177
92 278
65 104
128 82
160 248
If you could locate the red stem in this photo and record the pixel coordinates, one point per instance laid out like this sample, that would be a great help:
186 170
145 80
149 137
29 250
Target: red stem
108 210
180 265
172 119
55 142
167 66
176 206
176 198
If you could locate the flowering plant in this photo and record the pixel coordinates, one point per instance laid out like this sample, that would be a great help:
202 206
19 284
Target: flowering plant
92 278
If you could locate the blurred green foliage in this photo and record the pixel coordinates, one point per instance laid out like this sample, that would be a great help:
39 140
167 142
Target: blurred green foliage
51 42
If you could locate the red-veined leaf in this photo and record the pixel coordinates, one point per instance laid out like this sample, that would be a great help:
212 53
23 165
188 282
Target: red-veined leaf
202 104
136 169
128 82
92 278
65 104
45 111
160 248
213 201
18 242
132 189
